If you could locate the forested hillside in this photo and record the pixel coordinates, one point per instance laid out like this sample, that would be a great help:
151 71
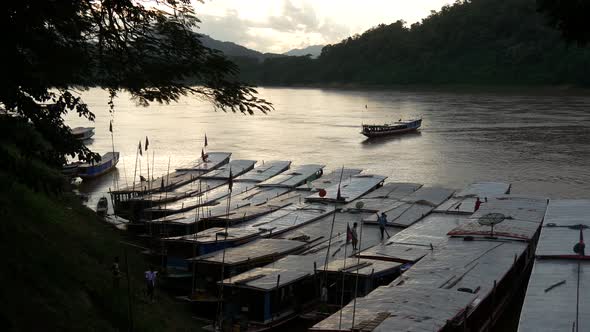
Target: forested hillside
484 42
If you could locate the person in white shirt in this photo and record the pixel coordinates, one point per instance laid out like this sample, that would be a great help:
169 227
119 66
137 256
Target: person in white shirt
150 279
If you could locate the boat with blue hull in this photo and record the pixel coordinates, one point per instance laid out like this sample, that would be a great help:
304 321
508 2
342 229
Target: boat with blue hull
395 128
107 163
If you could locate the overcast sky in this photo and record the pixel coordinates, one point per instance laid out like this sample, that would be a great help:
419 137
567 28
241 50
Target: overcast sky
280 25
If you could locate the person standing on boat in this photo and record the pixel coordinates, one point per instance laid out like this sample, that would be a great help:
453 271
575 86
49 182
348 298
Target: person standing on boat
150 279
477 204
382 220
354 236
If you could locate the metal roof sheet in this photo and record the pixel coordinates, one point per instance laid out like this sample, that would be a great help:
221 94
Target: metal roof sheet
264 171
254 250
350 189
293 177
237 167
404 308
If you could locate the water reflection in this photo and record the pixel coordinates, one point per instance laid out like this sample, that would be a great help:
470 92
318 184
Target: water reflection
373 141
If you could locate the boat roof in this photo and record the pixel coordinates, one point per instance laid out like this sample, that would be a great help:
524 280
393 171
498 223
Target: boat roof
258 201
413 207
237 168
413 243
264 171
384 198
214 160
559 233
293 177
464 200
282 272
397 309
559 278
255 250
327 180
215 235
289 217
363 267
350 189
520 218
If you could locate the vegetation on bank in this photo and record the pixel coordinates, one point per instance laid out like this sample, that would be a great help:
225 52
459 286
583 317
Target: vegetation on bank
478 42
58 256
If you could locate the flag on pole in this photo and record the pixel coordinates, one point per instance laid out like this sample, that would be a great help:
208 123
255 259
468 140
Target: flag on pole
139 147
206 140
142 179
147 142
230 182
111 126
348 233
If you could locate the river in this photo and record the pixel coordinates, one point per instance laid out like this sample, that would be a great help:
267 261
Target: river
539 143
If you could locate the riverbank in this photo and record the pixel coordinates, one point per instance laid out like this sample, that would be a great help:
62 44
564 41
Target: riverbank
58 257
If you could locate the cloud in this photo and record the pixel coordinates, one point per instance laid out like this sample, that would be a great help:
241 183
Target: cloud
294 27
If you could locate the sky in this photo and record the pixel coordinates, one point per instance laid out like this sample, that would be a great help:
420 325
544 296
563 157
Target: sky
278 26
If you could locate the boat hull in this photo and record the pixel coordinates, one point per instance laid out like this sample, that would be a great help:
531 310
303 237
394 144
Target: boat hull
388 133
91 171
397 128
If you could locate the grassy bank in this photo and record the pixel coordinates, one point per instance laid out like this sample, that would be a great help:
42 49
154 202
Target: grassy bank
56 273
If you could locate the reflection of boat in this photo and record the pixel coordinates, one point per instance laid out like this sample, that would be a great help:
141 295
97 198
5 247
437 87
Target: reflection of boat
399 127
102 206
83 133
107 163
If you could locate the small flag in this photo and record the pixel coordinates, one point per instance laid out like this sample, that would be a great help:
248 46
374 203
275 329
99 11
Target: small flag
348 233
365 106
338 195
203 155
111 126
206 140
230 182
139 147
142 179
147 143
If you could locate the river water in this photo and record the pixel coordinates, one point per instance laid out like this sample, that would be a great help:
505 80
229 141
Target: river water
538 142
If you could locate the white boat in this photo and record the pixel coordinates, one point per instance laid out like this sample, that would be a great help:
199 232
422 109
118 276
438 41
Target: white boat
83 133
107 163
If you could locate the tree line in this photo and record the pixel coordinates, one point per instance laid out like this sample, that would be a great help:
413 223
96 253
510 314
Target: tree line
478 42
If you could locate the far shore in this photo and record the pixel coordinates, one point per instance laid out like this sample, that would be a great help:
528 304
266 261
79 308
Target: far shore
446 88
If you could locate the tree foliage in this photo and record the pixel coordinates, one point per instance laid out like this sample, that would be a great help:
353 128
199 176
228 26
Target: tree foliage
51 49
478 42
571 17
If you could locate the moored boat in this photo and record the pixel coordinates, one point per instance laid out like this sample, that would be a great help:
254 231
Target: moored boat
394 128
107 163
82 133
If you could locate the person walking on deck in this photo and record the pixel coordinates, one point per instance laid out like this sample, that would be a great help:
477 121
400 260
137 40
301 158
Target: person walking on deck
382 220
150 280
354 236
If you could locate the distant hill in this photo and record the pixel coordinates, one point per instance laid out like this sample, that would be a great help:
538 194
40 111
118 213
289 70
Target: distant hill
477 42
234 50
314 50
